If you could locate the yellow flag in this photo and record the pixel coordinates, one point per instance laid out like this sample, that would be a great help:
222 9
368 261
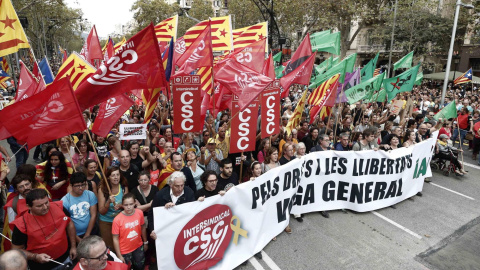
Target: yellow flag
245 36
167 29
12 36
77 68
222 38
119 44
297 114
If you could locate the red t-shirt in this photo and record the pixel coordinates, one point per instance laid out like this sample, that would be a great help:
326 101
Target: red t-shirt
110 266
476 130
129 230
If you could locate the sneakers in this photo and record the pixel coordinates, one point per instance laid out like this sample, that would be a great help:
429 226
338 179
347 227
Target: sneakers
324 214
288 229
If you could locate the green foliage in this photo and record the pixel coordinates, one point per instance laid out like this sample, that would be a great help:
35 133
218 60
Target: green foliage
51 23
244 13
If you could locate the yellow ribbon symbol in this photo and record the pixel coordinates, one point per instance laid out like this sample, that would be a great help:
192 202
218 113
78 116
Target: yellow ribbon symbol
237 229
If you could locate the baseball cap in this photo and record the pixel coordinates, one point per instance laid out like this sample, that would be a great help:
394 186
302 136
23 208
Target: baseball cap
211 140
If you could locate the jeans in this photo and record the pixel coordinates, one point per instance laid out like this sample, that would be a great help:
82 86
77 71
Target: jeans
136 257
463 133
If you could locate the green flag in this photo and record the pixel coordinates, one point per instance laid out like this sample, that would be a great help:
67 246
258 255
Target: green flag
364 89
367 71
350 62
405 62
338 68
401 83
419 79
449 111
319 34
278 71
327 43
377 97
336 60
277 57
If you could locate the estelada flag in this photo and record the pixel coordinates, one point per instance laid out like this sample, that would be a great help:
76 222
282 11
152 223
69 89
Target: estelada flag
244 36
77 69
466 77
48 115
12 36
167 29
222 39
27 84
199 53
109 112
242 81
297 114
134 66
300 75
206 79
91 49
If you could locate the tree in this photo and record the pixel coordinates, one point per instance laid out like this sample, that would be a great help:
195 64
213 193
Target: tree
244 13
50 24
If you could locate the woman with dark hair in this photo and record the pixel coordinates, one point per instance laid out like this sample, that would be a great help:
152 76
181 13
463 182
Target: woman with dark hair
82 153
409 138
262 150
56 174
110 204
393 143
253 171
93 176
138 156
168 134
311 139
144 193
271 160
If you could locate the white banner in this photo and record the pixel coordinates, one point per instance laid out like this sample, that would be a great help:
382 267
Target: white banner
133 131
224 231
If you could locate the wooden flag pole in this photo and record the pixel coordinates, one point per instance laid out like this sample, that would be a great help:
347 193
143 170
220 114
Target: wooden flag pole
99 163
241 168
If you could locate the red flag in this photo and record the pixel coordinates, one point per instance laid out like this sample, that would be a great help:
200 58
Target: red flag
268 67
109 113
36 70
109 51
27 85
4 133
252 56
48 115
206 105
134 66
242 81
199 54
300 75
186 97
179 50
223 98
244 127
270 114
92 50
301 55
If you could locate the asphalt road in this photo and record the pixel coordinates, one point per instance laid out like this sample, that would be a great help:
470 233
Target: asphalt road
440 230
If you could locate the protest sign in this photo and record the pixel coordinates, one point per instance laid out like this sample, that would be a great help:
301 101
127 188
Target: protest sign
396 106
244 126
224 231
270 115
186 94
133 131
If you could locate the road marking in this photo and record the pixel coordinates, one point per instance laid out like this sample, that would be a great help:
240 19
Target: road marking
397 225
471 165
453 191
256 264
269 261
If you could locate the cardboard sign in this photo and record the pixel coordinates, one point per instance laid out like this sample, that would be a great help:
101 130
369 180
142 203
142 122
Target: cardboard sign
133 131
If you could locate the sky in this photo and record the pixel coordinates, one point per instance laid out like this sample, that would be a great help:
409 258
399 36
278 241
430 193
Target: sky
104 14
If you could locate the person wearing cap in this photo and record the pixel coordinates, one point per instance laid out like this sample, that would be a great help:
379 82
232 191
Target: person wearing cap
213 156
443 151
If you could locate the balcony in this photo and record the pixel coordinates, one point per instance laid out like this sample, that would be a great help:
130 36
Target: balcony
375 49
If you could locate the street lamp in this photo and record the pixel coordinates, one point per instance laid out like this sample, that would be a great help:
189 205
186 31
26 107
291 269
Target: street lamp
450 51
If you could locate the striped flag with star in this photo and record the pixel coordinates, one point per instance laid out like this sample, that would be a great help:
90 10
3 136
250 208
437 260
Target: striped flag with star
167 29
250 34
119 44
465 78
320 95
12 36
222 39
76 68
4 64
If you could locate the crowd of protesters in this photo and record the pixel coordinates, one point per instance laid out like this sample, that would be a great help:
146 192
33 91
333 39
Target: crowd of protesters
57 208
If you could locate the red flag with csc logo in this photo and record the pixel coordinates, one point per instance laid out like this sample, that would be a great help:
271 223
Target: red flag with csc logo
110 111
134 66
48 115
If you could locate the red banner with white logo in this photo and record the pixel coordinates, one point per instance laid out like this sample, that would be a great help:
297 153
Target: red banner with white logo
270 114
109 112
244 126
187 100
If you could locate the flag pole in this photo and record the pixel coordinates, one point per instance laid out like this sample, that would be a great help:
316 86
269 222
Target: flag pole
99 163
241 167
17 152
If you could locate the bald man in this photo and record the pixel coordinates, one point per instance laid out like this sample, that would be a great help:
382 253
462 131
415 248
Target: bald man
13 260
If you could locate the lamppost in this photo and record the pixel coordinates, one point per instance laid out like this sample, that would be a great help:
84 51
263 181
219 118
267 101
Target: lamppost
456 60
450 51
393 36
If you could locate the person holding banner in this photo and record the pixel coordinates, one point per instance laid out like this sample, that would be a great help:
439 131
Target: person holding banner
210 187
311 139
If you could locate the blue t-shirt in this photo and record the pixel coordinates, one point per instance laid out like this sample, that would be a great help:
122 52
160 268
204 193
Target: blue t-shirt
79 209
